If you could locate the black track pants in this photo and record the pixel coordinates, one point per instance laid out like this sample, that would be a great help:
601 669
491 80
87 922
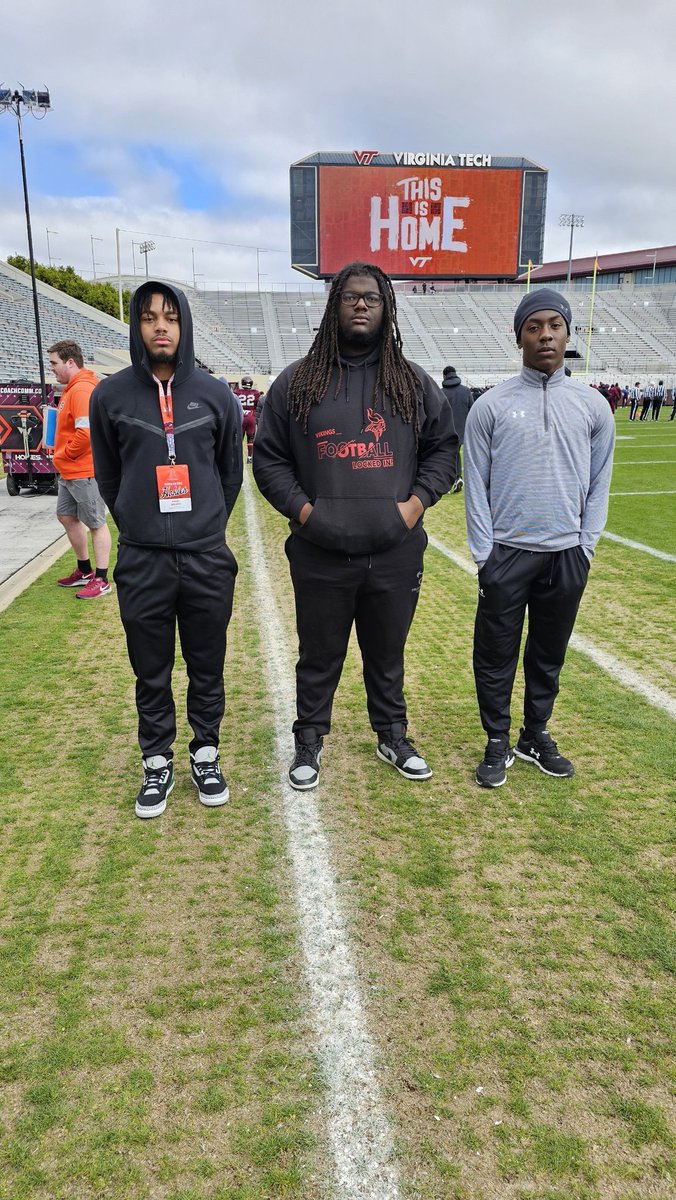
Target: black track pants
550 586
377 592
156 589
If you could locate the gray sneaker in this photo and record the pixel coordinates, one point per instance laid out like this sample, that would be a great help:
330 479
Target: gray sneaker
207 777
397 750
158 780
304 770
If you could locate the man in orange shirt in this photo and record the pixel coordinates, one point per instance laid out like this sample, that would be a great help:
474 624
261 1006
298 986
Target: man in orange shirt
79 506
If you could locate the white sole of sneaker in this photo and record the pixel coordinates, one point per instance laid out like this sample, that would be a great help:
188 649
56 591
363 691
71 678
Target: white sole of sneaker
303 787
145 811
413 778
552 774
213 801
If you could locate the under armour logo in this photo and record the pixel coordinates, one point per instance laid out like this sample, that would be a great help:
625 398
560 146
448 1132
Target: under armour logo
521 413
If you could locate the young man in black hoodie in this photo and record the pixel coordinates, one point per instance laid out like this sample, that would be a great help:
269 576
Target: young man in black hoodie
167 447
355 442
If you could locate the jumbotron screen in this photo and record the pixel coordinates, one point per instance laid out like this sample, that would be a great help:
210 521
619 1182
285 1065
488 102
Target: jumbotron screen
428 221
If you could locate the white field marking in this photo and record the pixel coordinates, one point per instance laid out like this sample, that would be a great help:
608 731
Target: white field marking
615 537
642 493
614 667
358 1130
644 462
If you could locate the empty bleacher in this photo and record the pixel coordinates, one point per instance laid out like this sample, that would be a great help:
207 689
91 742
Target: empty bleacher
104 340
241 330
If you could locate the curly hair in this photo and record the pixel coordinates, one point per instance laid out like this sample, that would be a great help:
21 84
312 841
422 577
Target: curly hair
396 378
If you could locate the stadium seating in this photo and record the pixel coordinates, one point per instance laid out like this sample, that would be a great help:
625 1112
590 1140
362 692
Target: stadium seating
241 330
103 338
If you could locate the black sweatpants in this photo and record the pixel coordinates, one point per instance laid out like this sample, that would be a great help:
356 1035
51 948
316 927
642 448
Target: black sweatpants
379 593
156 589
550 586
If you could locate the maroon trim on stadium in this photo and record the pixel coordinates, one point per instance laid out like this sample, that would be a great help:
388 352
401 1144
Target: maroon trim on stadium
631 260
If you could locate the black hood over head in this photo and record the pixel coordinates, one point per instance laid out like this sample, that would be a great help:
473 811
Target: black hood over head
185 355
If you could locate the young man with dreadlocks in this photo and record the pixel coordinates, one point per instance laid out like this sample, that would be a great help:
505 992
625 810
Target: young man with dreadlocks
355 442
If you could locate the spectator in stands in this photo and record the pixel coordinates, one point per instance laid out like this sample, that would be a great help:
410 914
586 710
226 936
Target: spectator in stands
658 401
634 398
168 459
79 506
648 395
460 399
355 443
248 397
538 461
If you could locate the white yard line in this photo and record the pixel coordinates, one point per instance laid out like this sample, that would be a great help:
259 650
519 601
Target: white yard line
643 462
613 666
358 1129
643 493
615 537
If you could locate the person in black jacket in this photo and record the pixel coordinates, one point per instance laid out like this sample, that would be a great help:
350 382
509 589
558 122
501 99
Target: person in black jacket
460 399
167 448
355 442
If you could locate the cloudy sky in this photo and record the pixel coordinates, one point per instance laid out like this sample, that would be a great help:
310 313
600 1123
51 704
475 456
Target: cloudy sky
178 122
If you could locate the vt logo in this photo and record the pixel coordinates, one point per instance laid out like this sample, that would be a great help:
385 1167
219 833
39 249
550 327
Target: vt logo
420 262
365 157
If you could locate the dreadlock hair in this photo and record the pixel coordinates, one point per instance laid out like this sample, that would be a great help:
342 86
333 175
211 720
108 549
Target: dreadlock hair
396 378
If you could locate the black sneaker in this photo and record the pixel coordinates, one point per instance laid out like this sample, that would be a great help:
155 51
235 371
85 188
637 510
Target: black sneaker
207 777
492 771
304 770
158 780
397 750
542 750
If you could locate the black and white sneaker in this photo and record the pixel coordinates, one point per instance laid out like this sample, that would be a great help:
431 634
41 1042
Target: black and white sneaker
158 780
207 777
398 750
542 750
304 770
499 755
457 486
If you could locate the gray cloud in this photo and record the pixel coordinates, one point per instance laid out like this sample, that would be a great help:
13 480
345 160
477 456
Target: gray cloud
587 90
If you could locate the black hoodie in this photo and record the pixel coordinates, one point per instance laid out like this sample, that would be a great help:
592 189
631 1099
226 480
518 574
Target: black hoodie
128 442
460 399
356 462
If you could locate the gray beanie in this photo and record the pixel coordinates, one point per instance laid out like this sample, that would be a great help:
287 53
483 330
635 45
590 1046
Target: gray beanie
538 301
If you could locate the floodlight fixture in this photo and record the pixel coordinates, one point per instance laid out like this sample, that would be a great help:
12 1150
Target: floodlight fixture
13 101
145 247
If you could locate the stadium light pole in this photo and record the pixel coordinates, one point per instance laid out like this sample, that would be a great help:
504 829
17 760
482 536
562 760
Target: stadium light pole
54 233
92 240
576 222
11 101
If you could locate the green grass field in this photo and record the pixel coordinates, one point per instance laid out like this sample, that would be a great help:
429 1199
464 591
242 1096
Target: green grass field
515 946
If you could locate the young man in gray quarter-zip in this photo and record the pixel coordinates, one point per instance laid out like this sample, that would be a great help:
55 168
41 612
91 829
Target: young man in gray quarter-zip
538 461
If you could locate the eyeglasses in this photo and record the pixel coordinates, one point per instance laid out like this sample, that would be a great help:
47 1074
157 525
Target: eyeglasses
371 299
